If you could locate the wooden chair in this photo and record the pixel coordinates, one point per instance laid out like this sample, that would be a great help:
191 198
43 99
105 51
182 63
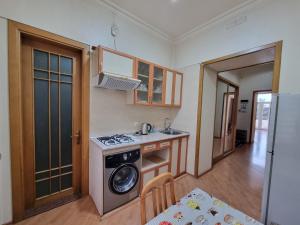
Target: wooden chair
159 195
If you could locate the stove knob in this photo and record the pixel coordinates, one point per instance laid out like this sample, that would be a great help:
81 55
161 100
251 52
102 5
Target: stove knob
125 156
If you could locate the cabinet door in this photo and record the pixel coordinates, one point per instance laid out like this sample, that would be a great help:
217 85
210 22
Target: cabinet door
147 176
143 74
183 155
157 85
117 64
169 85
177 89
175 145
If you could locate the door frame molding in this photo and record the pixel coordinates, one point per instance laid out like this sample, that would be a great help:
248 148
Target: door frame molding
15 32
275 85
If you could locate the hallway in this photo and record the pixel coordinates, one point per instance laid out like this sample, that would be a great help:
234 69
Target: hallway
238 178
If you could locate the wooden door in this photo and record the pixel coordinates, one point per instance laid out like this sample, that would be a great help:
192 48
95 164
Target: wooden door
51 97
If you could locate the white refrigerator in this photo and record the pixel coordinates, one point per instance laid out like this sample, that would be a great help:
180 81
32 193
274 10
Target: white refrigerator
281 195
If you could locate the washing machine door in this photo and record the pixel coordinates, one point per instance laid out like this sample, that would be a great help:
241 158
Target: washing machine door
124 179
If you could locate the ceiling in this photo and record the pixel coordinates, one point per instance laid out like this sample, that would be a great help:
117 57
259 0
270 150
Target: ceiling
177 17
259 57
252 70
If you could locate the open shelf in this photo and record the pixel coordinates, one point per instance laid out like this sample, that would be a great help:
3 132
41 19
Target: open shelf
155 159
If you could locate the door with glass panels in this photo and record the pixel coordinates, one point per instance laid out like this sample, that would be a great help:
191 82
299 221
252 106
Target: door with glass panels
51 110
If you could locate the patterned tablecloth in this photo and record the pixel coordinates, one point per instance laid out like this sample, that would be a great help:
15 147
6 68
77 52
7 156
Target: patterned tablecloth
200 208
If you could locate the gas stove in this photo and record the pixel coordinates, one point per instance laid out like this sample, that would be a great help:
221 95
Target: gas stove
115 139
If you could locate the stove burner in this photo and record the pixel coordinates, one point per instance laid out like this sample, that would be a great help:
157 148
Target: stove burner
115 139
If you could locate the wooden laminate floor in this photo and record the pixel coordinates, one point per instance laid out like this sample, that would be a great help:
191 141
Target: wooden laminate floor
237 180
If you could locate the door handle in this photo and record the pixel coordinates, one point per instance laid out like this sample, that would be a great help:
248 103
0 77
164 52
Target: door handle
77 135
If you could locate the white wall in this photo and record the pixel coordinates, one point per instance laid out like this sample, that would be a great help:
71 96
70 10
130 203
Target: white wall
188 110
88 22
252 79
5 177
267 21
207 120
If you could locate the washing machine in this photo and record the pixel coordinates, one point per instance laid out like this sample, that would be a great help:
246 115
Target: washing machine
121 178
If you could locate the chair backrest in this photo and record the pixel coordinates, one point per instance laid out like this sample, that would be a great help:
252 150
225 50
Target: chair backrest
159 194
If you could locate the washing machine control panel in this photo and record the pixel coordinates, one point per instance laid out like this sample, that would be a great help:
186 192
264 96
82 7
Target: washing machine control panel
113 161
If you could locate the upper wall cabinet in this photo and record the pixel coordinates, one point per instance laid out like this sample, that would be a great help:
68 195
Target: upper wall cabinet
142 93
116 62
159 86
177 86
169 87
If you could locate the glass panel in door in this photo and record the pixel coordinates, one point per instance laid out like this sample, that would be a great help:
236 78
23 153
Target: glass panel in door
157 92
53 76
142 92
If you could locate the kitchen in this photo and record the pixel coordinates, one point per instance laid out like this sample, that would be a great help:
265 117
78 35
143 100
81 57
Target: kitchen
163 66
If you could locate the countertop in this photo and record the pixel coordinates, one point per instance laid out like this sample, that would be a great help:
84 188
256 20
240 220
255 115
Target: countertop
140 139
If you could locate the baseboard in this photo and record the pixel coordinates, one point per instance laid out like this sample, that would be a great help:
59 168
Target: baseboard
9 223
205 172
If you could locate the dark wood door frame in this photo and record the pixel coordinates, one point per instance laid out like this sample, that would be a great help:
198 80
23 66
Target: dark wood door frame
15 32
275 85
252 110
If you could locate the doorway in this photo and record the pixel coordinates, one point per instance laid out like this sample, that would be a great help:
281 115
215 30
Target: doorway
261 106
48 119
225 119
269 56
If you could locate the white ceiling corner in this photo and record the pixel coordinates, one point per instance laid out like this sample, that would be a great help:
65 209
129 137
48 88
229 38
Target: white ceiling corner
115 8
176 21
215 20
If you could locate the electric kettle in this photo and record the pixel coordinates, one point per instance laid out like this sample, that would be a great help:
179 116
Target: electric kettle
146 128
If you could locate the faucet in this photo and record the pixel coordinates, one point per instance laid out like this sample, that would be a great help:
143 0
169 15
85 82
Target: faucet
167 124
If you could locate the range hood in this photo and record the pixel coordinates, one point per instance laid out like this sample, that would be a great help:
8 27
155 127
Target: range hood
117 81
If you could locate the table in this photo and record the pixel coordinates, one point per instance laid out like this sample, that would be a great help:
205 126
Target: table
200 208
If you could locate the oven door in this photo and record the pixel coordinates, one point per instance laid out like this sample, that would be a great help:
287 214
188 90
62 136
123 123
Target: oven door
123 179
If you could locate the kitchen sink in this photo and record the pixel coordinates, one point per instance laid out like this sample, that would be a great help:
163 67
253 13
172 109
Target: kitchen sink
171 132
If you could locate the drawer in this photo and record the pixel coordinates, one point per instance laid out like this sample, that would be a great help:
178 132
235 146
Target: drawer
149 148
164 144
